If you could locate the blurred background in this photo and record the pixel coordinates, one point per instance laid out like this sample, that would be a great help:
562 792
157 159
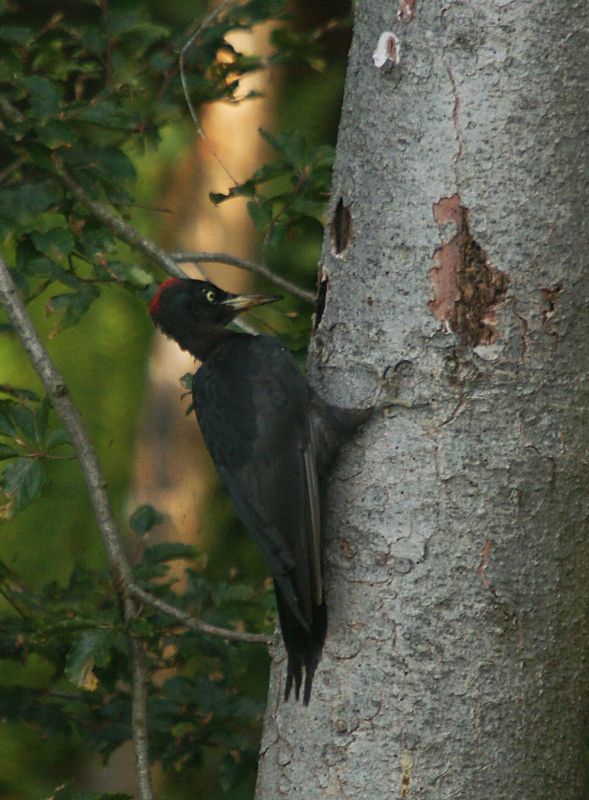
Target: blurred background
125 379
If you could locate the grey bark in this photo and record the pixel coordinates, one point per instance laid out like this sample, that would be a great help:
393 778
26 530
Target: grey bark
456 545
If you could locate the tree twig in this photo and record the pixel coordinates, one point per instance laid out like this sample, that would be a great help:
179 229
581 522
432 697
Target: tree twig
243 263
193 623
168 261
181 62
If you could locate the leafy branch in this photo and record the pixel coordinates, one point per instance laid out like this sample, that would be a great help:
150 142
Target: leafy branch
58 393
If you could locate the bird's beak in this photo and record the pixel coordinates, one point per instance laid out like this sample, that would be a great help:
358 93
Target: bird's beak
241 302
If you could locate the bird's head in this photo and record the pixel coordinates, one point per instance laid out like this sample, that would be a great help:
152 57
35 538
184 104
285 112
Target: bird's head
194 312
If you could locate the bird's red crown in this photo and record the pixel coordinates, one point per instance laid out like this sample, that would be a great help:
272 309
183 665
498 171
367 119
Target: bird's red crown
155 300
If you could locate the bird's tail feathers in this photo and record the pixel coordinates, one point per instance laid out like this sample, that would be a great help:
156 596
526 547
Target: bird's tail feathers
303 647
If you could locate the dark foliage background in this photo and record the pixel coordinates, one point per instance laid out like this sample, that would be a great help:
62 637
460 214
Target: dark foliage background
93 86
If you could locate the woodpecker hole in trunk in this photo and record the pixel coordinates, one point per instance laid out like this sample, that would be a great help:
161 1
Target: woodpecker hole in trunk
341 229
321 298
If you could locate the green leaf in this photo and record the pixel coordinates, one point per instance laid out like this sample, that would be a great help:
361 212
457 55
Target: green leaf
15 35
45 96
23 202
270 171
231 592
21 481
56 133
107 114
260 213
168 551
41 419
144 518
218 197
7 423
109 161
7 452
186 380
49 220
24 419
73 304
57 437
91 649
290 144
22 394
56 243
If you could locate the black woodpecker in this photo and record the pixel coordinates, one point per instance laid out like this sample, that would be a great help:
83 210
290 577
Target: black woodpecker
270 437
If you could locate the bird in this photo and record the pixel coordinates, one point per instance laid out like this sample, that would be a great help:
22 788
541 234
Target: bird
271 438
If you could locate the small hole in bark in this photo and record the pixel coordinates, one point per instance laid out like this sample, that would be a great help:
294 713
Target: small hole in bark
550 294
341 229
321 298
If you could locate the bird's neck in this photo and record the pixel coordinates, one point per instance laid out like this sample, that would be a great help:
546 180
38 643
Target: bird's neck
202 340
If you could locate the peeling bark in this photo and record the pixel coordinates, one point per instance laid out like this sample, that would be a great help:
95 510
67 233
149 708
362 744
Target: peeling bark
467 288
456 546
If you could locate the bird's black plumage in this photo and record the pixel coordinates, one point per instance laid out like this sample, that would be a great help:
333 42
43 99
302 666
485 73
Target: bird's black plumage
268 435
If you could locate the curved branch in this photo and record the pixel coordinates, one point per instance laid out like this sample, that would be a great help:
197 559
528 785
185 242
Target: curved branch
243 263
168 261
193 623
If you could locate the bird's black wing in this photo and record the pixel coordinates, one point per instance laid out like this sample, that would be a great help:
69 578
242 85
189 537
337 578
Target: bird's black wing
252 404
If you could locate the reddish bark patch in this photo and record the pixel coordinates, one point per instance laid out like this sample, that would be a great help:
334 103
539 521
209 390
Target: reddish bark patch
467 289
407 10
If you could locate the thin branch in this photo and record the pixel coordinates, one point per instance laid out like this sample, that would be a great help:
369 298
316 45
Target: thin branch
193 623
139 719
242 263
168 261
58 392
207 20
117 225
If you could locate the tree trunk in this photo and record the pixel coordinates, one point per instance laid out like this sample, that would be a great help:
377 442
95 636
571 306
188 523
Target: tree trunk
456 547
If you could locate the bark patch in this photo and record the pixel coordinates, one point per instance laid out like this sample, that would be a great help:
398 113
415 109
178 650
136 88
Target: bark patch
467 288
388 52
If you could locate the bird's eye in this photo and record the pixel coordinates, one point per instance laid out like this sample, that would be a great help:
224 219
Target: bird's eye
211 296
